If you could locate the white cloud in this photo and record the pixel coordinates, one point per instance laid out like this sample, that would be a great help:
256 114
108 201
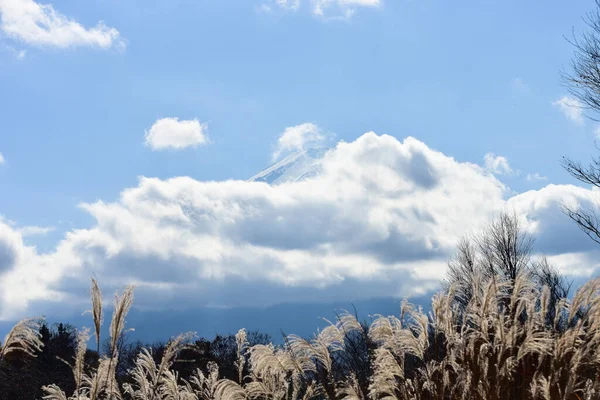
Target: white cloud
175 134
288 4
2 160
14 52
298 137
380 220
35 230
536 177
41 25
497 164
331 9
345 7
264 8
571 108
383 216
543 216
582 265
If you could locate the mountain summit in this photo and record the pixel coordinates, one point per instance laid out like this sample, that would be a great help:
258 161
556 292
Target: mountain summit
296 167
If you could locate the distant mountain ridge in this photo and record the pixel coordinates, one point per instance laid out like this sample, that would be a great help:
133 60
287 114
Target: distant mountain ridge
298 166
302 319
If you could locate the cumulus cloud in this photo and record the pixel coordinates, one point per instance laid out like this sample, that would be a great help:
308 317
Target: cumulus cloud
18 263
581 266
41 25
298 137
497 164
571 108
543 216
380 220
2 161
171 133
9 246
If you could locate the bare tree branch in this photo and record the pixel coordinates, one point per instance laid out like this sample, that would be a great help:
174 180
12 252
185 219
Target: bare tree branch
584 79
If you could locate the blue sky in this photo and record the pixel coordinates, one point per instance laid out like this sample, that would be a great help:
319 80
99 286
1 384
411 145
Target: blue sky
78 101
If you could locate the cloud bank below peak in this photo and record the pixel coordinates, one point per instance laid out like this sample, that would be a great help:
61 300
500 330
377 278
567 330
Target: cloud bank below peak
380 219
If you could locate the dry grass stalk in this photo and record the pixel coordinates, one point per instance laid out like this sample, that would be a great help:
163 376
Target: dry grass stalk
23 337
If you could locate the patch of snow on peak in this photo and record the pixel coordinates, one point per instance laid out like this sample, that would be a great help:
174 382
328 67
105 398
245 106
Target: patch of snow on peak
298 166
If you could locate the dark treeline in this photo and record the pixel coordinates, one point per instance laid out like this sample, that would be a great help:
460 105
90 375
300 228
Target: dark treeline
22 378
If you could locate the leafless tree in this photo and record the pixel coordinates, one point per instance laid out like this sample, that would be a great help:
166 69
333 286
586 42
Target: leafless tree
503 252
583 81
504 247
586 219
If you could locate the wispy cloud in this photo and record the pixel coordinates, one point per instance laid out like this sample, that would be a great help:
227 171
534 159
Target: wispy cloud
298 137
571 108
19 54
536 177
171 133
497 164
264 8
35 230
41 25
328 9
288 4
2 160
519 85
346 7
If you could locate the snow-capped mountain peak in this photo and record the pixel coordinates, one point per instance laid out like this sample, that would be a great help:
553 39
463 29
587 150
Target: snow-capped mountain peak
296 167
